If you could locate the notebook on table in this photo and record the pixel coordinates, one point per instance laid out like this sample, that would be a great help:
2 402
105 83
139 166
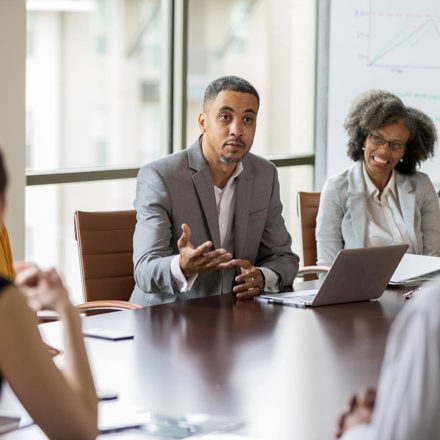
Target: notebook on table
415 269
355 275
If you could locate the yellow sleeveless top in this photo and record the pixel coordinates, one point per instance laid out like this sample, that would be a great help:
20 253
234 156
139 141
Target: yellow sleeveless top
6 262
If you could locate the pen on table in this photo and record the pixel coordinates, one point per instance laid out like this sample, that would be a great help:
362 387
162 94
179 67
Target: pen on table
411 293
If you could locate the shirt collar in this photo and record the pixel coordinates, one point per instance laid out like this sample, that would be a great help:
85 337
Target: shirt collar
238 170
371 188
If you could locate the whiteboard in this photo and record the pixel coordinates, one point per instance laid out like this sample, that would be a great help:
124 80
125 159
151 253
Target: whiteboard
386 44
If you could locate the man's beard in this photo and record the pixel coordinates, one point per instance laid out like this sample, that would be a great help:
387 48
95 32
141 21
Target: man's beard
228 161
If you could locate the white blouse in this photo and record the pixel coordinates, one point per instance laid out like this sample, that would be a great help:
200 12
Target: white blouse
385 224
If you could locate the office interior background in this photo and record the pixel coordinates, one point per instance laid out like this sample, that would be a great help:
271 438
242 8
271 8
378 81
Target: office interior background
93 89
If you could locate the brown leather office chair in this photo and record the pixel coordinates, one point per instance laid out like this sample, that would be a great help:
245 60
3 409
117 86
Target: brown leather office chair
308 205
105 247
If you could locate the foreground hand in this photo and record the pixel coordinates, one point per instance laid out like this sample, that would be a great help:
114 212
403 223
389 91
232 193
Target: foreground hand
44 290
200 259
250 281
357 410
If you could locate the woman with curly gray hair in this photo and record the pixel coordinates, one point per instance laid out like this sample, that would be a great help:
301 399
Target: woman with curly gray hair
382 199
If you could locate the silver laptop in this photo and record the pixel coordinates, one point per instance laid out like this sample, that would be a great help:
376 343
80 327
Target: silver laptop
355 275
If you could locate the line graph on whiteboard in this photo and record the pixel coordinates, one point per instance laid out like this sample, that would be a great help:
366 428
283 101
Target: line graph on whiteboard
404 39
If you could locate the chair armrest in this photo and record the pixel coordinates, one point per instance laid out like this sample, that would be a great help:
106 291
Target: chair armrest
307 270
111 304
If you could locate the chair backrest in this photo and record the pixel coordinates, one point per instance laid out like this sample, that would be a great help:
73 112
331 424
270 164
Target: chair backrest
308 205
105 247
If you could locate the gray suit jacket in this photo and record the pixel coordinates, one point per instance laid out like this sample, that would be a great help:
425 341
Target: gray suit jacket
178 189
342 221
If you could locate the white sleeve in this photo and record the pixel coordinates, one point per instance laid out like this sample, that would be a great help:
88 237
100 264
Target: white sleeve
328 232
358 432
271 280
183 284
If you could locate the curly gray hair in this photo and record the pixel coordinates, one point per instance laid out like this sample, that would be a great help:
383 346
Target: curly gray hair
376 109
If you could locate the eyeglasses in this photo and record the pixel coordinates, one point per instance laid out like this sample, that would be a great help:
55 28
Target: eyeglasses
378 140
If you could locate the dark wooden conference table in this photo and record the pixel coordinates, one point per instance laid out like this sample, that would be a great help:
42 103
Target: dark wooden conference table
284 371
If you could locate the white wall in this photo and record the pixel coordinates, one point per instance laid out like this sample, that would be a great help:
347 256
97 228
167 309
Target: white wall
12 113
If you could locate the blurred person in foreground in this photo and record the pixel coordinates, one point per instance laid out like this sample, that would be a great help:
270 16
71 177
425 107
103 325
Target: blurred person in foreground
381 199
407 405
62 403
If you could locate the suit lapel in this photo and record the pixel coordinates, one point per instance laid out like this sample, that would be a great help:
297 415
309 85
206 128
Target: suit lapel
203 184
407 200
242 202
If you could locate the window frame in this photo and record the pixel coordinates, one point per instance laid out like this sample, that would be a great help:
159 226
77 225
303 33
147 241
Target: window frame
173 107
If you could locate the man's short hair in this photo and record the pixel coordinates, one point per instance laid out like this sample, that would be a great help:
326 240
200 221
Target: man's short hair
231 83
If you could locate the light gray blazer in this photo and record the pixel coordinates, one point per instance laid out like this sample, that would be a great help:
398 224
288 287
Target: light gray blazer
342 221
178 189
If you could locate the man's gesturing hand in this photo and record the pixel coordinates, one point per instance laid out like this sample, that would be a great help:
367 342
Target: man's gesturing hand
200 259
251 280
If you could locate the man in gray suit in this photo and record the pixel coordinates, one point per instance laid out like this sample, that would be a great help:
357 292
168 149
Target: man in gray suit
209 218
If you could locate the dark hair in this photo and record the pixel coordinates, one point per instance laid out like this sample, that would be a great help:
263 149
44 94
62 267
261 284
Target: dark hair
376 109
231 83
3 176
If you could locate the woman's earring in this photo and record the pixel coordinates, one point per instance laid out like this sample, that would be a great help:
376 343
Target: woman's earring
401 159
363 148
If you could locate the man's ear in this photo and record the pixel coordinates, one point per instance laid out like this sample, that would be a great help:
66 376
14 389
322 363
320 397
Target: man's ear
202 122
